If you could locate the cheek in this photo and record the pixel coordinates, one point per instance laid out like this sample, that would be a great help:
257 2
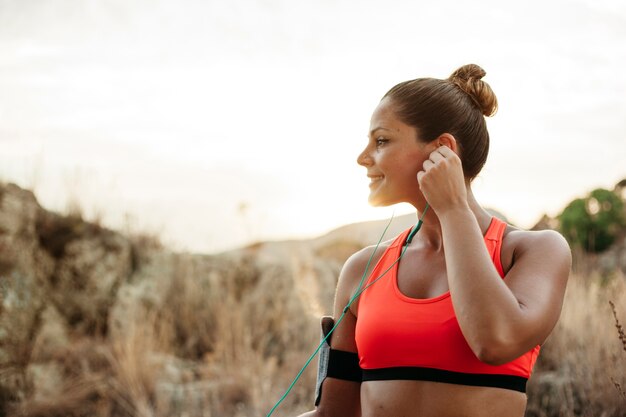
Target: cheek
407 176
414 163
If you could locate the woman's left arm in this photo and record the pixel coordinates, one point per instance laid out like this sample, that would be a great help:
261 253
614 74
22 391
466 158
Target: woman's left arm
500 319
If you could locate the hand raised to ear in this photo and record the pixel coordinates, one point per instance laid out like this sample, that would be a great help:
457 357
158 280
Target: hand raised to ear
442 182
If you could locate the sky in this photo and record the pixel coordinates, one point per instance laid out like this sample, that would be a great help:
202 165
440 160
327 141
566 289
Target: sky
214 124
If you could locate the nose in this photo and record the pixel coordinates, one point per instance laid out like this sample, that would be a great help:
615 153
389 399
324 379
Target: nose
364 158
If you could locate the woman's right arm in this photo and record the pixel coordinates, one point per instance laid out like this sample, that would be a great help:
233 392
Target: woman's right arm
342 398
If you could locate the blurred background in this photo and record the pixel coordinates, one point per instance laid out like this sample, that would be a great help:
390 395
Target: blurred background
218 123
179 189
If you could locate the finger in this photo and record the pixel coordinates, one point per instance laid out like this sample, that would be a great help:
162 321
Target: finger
445 151
428 164
436 156
420 175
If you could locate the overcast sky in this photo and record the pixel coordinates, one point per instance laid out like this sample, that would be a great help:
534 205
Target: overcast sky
214 123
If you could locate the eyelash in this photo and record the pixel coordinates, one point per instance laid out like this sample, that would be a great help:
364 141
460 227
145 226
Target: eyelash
381 141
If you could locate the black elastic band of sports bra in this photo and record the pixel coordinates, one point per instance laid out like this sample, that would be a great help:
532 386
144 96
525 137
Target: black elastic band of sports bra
512 382
344 365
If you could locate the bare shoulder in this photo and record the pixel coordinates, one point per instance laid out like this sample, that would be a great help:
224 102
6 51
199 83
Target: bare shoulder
542 249
357 269
548 243
365 258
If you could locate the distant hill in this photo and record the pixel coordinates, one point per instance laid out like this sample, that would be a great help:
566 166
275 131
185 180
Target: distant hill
338 244
368 233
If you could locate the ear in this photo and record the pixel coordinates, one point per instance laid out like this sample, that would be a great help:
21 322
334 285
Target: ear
446 139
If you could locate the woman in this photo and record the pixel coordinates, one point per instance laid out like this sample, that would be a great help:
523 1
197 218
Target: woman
453 328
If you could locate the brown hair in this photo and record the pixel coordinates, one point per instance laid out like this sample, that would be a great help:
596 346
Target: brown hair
455 105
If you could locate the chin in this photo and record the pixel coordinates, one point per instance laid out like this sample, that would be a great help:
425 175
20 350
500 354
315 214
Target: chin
377 202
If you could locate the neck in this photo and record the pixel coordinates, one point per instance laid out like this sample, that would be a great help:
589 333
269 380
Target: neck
430 233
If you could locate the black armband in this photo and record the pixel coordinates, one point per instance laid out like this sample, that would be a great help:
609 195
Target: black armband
333 363
344 365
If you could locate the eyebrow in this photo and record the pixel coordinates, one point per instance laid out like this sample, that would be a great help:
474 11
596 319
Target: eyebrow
379 128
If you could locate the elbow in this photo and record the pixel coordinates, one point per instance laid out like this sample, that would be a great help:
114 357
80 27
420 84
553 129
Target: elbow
495 352
500 345
491 356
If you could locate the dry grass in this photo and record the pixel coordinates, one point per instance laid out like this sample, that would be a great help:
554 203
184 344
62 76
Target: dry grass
583 361
228 335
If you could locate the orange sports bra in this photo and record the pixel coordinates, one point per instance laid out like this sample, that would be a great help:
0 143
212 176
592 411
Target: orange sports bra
400 337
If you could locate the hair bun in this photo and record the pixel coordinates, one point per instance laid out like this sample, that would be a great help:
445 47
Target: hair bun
468 78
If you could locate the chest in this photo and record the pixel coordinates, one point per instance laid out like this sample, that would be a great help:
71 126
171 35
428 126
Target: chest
422 274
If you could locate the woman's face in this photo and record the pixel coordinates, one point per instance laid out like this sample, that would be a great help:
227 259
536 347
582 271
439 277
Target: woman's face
393 156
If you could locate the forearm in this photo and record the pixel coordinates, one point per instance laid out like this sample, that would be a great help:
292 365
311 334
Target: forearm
486 309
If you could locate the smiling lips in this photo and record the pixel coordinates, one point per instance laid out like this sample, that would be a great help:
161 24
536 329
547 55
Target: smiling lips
375 178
